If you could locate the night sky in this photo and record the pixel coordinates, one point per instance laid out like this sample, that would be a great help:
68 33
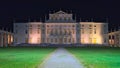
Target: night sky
21 10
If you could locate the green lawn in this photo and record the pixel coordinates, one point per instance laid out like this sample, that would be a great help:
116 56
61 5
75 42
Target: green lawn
97 57
23 57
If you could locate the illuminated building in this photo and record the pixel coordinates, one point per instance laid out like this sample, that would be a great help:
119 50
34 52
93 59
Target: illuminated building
114 38
61 28
6 38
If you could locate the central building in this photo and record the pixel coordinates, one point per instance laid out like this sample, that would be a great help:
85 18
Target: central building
61 28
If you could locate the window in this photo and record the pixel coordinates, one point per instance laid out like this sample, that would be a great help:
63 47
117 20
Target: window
51 40
16 40
30 30
38 31
94 31
109 37
30 26
90 31
65 40
73 26
73 31
82 25
69 40
94 25
90 25
38 26
26 31
113 37
105 40
82 31
47 25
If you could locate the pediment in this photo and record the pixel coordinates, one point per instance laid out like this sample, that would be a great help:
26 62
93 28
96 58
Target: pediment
60 12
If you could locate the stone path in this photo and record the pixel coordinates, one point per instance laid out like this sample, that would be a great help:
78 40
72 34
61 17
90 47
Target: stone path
61 58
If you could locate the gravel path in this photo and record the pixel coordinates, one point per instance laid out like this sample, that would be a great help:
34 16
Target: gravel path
61 58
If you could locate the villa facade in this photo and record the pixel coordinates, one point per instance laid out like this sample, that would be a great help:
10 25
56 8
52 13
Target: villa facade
61 28
114 38
6 38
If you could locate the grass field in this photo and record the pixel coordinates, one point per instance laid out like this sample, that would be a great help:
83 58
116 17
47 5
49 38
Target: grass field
98 57
23 57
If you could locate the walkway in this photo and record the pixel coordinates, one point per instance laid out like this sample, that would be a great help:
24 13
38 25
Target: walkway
61 58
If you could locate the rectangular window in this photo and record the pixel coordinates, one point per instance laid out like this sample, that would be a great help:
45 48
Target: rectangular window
73 31
90 26
16 40
94 31
73 26
105 40
30 26
26 31
38 31
82 31
38 40
30 30
47 25
90 31
94 25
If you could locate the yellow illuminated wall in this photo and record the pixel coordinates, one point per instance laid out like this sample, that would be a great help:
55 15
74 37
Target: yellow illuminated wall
94 33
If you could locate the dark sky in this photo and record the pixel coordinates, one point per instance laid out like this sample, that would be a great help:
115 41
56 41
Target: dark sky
21 10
